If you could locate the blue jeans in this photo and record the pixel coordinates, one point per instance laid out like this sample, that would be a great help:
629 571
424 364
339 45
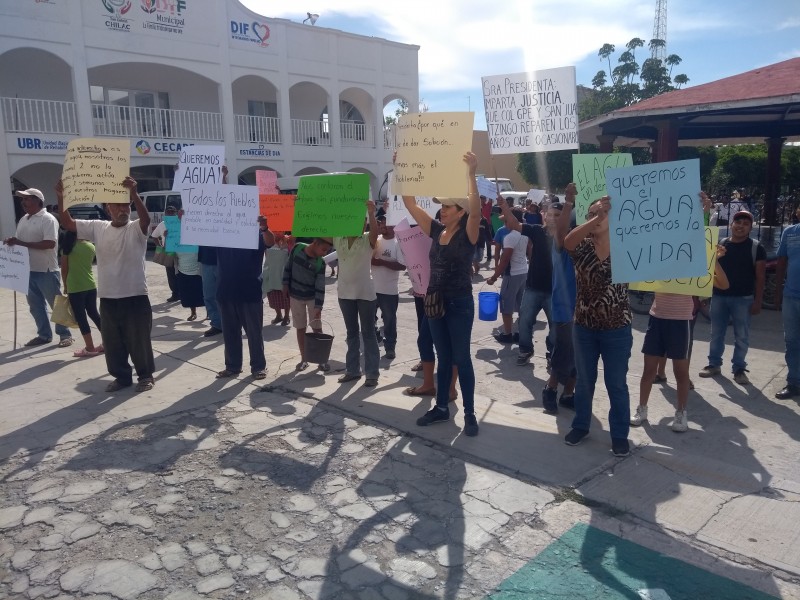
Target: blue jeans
791 333
42 290
614 347
424 339
451 338
388 303
723 309
355 312
533 301
209 273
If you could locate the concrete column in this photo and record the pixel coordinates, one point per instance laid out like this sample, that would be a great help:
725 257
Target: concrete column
225 92
606 142
666 148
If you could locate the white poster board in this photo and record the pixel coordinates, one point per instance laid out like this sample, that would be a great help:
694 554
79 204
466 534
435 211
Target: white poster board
487 188
220 215
536 195
15 268
198 166
396 210
535 111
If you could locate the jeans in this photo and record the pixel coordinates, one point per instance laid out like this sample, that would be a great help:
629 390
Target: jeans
424 338
388 303
614 347
723 309
127 323
451 338
42 290
532 302
363 311
791 334
250 316
209 274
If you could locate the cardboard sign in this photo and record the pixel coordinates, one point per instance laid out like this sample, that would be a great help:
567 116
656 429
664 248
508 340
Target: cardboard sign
688 286
94 169
279 210
416 247
656 222
589 176
267 182
220 215
331 205
430 153
536 195
15 268
172 225
199 166
487 188
531 112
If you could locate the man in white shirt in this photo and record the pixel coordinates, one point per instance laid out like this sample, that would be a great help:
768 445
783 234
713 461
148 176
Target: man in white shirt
387 262
513 266
124 306
37 231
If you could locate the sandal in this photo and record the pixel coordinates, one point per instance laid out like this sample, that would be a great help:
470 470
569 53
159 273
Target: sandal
65 343
192 317
301 366
324 367
416 391
224 374
259 374
85 353
145 385
285 321
99 348
276 320
660 379
117 385
417 367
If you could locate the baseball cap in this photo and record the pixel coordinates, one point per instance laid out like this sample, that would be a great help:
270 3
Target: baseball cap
743 214
31 192
462 203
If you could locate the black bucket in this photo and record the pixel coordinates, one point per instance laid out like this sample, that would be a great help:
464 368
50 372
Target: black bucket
318 347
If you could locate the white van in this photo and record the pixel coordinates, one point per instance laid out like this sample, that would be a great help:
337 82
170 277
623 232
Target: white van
156 203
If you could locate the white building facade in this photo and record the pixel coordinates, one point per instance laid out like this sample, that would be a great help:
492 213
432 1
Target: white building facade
281 95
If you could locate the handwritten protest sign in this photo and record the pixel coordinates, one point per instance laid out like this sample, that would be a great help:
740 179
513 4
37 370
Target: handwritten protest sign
173 238
531 112
656 222
430 151
15 268
589 175
279 210
536 195
486 188
267 182
688 286
416 247
396 210
331 205
199 166
497 222
94 169
220 215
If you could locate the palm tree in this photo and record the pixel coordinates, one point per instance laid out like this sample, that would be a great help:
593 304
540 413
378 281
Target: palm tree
672 60
634 44
680 80
654 44
605 52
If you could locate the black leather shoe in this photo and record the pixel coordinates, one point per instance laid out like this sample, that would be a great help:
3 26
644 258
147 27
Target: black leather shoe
790 391
212 331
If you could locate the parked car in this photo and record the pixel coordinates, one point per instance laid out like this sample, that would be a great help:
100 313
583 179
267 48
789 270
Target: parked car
89 212
156 203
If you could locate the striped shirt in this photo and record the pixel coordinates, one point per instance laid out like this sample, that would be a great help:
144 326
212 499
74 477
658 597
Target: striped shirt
675 307
305 276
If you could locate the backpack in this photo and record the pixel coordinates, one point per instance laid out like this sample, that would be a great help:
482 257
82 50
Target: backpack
753 247
319 263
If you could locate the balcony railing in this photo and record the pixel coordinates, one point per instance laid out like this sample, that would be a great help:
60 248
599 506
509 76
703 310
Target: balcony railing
310 133
264 130
26 115
357 134
389 137
124 121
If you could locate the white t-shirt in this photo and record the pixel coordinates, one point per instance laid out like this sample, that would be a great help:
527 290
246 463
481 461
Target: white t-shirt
158 232
519 260
120 257
38 228
355 268
386 279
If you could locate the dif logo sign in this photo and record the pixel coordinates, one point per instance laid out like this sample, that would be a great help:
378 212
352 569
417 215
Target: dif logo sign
250 32
172 7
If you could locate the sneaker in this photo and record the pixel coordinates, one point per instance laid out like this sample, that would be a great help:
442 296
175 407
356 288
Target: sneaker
681 422
575 437
740 377
620 447
710 371
549 400
640 416
470 425
504 338
434 415
790 391
524 358
567 401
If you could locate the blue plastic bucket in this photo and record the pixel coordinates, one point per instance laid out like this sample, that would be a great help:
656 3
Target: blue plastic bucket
488 303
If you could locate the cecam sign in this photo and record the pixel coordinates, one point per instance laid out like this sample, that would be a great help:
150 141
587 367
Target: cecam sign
145 147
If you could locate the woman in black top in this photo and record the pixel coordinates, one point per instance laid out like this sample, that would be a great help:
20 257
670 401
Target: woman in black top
454 239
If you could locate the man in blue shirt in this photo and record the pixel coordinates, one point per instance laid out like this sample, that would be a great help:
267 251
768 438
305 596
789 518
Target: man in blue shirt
788 297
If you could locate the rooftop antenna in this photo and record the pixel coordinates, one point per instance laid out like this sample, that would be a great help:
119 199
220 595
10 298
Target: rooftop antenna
659 51
311 17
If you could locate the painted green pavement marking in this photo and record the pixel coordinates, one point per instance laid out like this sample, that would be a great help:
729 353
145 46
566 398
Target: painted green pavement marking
586 562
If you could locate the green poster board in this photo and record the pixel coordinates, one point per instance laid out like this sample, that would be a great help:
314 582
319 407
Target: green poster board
331 205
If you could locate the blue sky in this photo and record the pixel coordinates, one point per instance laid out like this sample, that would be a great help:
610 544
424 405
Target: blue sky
462 40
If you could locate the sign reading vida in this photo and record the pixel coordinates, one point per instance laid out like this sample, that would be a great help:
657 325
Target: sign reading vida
531 112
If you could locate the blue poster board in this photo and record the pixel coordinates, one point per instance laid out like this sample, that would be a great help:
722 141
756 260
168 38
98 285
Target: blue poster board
173 239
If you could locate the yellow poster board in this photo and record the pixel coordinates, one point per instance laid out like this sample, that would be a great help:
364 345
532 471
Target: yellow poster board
430 151
94 169
688 286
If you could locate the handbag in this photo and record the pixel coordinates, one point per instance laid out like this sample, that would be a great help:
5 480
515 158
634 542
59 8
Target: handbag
434 305
162 257
62 313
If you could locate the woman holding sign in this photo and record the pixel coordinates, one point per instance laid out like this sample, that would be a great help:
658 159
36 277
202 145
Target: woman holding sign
449 305
602 329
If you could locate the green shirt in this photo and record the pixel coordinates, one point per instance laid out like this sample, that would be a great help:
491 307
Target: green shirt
80 277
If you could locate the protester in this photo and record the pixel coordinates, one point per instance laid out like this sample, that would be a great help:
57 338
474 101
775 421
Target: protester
37 231
125 310
357 301
81 288
602 329
486 213
275 260
788 298
513 267
450 292
387 262
207 257
533 213
484 240
744 264
241 305
303 283
159 236
190 282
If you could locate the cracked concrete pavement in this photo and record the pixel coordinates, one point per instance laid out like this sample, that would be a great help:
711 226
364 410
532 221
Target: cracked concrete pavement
304 488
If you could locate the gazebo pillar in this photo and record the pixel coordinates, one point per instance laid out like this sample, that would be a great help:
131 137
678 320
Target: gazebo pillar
606 142
772 185
666 146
